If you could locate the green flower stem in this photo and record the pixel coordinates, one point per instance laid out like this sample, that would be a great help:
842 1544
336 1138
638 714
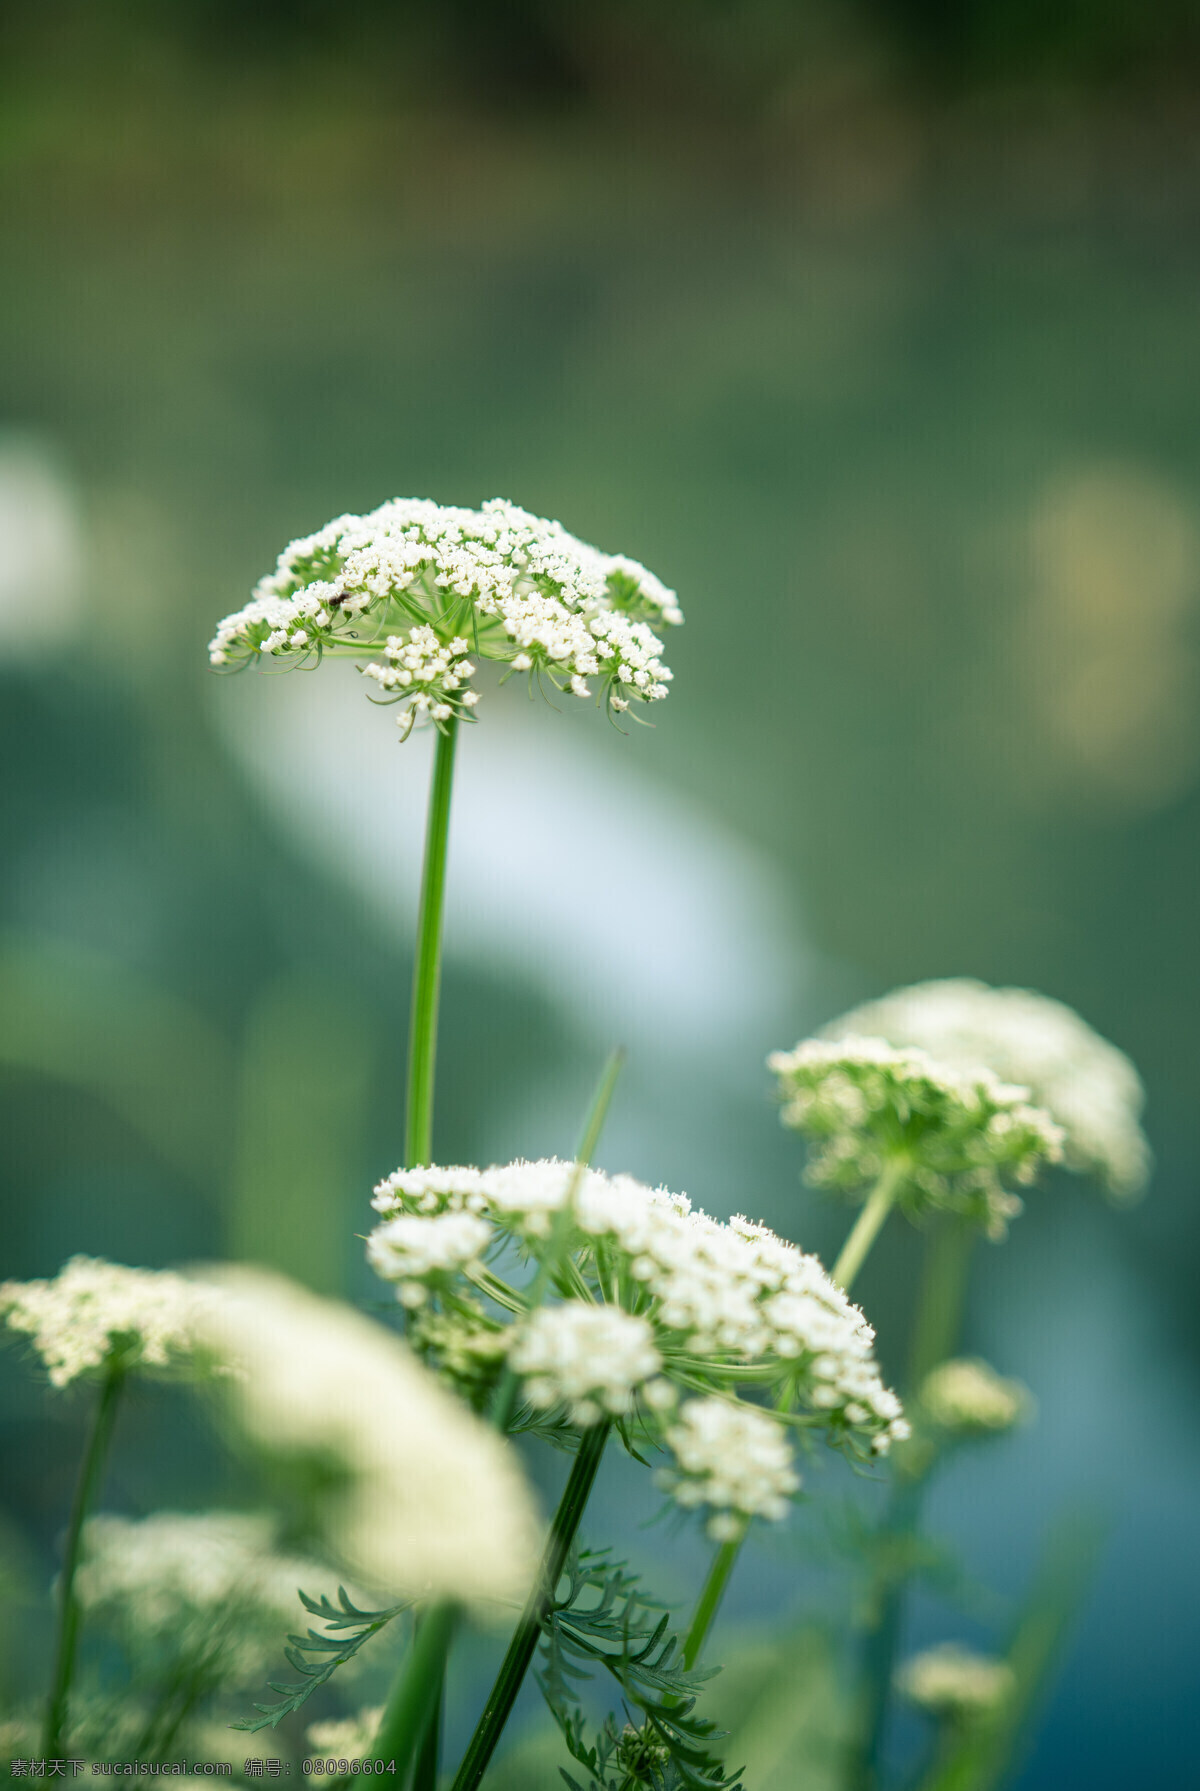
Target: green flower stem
422 1064
938 1322
936 1328
413 1704
91 1472
710 1598
525 1638
870 1221
505 1400
427 968
854 1253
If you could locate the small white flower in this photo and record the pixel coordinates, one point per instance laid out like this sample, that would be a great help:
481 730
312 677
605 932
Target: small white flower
956 1682
733 1458
967 1395
518 580
413 1247
592 1359
152 1319
960 1135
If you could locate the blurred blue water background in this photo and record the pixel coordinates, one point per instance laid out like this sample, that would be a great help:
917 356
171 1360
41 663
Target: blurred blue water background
873 331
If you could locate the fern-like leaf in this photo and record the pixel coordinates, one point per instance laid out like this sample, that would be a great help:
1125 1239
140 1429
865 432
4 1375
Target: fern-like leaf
337 1649
606 1622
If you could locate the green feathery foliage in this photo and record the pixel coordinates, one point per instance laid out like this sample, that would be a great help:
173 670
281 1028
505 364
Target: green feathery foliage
607 1621
337 1650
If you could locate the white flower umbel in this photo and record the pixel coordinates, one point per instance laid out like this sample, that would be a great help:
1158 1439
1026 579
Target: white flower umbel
955 1138
591 1359
1089 1087
419 591
430 1501
955 1682
415 1251
208 1587
720 1297
967 1396
732 1458
94 1313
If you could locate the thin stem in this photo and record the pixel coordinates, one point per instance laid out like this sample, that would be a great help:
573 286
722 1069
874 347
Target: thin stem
710 1598
525 1638
427 968
882 1640
943 1292
429 1756
869 1223
91 1470
422 1064
938 1321
414 1699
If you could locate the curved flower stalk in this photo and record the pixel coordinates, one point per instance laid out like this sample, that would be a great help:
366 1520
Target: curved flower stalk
1088 1086
418 591
102 1322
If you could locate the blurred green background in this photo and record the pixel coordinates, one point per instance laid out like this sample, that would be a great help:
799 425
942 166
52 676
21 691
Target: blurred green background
871 328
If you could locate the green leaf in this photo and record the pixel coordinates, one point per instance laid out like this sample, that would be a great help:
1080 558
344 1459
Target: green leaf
338 1649
606 1622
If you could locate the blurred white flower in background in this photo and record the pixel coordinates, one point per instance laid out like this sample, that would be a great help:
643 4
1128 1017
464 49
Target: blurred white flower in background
426 1500
41 551
956 1682
207 1583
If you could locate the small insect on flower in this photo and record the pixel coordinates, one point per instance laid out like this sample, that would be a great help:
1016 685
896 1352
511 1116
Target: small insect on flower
415 591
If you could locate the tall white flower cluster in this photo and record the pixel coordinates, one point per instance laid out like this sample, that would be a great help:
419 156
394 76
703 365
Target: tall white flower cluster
732 1458
1089 1087
428 1499
414 587
197 1584
957 1137
94 1312
660 1301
